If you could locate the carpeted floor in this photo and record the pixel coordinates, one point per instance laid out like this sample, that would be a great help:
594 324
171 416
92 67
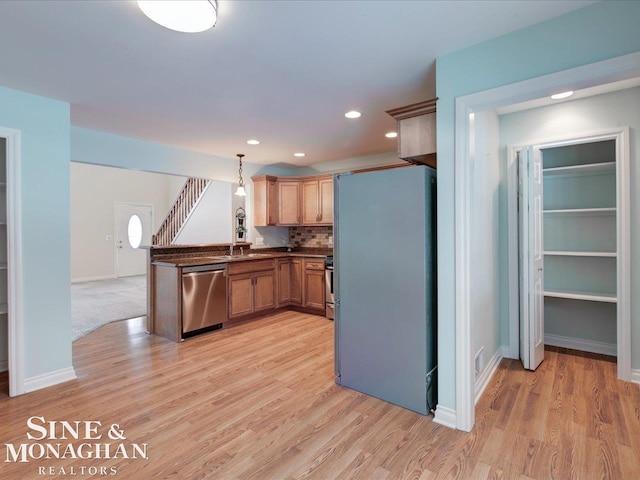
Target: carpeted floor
96 303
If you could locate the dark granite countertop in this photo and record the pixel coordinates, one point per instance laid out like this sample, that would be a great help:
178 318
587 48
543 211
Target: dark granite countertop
254 254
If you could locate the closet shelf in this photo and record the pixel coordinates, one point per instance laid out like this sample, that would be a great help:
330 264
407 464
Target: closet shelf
573 295
591 168
561 253
4 308
582 211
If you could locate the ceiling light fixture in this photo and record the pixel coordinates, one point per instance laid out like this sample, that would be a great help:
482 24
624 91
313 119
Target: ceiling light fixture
253 142
560 96
240 191
189 16
391 134
352 114
299 154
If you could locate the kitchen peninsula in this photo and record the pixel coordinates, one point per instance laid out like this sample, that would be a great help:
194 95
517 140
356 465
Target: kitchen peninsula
256 282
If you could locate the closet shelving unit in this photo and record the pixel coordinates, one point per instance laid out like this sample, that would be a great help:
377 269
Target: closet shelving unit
580 248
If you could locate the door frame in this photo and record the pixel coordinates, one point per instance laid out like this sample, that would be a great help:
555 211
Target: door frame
623 235
14 259
598 73
115 229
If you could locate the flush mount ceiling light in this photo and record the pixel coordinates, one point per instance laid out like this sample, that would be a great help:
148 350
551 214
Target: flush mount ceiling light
299 154
253 142
391 134
560 96
240 191
352 114
189 16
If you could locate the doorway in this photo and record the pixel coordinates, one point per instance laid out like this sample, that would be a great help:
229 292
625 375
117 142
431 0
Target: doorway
133 224
582 231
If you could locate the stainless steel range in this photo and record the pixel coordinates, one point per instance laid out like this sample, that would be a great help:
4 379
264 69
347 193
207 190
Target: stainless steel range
328 277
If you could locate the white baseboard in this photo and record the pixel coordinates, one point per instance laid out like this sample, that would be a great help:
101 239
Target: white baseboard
4 365
579 344
445 416
635 375
93 279
48 379
487 372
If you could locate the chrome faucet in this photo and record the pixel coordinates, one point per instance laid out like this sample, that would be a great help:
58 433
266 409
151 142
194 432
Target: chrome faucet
241 251
231 249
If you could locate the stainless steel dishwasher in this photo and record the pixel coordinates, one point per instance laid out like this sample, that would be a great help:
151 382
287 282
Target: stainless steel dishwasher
204 298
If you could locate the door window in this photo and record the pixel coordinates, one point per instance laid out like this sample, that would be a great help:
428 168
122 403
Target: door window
134 231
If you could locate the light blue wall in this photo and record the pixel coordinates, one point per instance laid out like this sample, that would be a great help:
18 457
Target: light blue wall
44 124
594 33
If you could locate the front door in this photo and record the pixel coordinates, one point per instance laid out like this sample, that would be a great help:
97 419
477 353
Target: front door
133 231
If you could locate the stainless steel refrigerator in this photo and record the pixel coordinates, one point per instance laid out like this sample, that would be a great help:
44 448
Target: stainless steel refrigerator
385 285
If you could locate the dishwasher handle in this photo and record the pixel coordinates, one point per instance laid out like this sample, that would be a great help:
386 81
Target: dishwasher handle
204 268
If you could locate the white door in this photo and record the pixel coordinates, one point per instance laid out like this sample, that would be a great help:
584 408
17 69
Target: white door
531 258
133 230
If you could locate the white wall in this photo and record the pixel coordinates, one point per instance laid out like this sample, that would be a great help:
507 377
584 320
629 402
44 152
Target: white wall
610 110
94 192
211 220
485 237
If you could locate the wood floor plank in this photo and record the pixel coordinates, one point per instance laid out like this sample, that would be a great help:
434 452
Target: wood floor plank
259 401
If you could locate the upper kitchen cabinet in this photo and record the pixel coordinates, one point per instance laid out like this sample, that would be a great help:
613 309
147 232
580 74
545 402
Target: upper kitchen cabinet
265 200
317 201
289 202
417 132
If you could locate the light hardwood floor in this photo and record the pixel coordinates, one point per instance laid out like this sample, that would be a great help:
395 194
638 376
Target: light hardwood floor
258 401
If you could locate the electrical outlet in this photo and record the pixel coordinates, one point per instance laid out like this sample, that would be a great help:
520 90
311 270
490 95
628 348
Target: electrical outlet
331 240
107 238
259 241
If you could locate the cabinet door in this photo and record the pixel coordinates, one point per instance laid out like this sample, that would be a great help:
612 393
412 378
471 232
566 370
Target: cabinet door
310 206
284 282
265 206
264 291
289 203
240 295
296 282
272 202
326 201
314 289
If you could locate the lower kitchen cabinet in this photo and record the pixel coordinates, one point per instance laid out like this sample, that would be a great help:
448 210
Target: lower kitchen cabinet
283 273
296 282
313 287
251 291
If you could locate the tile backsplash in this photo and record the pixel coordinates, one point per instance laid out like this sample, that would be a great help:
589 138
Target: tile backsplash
317 237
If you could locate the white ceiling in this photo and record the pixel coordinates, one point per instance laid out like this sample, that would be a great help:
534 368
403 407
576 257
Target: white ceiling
284 72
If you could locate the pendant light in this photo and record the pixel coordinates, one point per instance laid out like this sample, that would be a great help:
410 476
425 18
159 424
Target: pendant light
189 16
240 191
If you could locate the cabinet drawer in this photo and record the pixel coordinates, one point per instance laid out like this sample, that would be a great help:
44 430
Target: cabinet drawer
250 266
314 264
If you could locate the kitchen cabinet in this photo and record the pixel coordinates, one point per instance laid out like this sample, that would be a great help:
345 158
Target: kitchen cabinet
265 200
283 273
313 287
252 287
296 282
317 201
417 132
289 202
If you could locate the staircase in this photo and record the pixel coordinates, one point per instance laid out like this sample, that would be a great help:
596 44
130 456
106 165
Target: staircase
183 206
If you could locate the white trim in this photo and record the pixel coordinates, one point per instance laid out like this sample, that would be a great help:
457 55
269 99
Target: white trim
48 379
487 373
93 279
635 375
14 259
613 69
573 343
465 412
4 365
445 416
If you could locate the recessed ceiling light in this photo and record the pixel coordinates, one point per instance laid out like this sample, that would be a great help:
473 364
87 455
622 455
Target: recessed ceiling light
188 16
560 96
299 154
352 114
253 142
391 134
